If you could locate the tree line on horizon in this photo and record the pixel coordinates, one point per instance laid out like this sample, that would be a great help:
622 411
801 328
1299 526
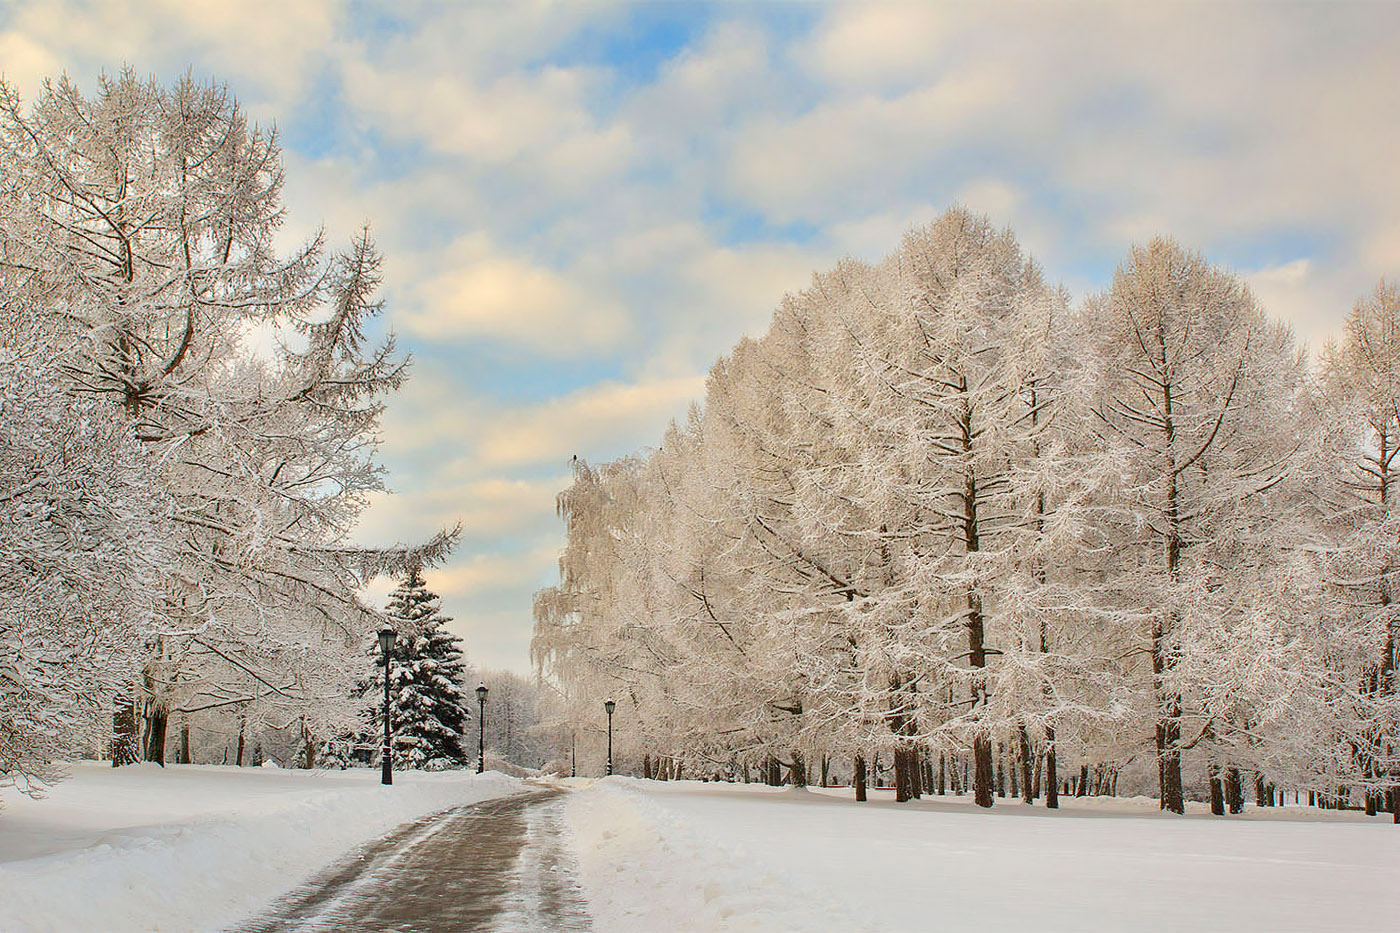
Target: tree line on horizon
942 516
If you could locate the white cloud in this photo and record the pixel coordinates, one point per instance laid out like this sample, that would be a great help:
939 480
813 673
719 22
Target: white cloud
488 508
24 63
264 47
475 290
871 45
841 153
595 422
1311 301
1382 252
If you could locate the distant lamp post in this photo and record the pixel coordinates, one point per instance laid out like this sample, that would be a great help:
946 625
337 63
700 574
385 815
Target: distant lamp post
609 705
481 728
386 645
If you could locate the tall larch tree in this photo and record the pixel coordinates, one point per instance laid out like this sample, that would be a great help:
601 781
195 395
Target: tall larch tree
1195 397
1361 375
144 219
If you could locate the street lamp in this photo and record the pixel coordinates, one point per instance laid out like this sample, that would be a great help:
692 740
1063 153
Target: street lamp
481 728
386 644
609 705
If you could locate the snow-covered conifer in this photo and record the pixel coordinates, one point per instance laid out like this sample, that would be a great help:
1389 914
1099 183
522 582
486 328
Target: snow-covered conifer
426 677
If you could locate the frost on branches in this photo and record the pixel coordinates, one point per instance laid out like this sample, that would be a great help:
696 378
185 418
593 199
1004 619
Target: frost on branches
80 545
938 526
137 228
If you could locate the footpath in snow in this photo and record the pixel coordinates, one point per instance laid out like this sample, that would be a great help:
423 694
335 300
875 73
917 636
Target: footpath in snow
686 856
194 847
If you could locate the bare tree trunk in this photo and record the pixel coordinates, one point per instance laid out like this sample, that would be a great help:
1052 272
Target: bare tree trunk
183 756
1027 794
798 769
157 724
308 747
242 740
125 748
942 774
983 777
1217 792
1052 780
1234 791
860 777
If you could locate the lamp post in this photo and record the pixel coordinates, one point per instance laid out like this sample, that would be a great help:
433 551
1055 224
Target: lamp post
609 705
386 644
481 728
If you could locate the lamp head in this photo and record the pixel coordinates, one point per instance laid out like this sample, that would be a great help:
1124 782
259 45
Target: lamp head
386 638
481 693
609 705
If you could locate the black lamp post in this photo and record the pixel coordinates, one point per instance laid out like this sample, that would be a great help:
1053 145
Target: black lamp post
481 728
609 705
386 644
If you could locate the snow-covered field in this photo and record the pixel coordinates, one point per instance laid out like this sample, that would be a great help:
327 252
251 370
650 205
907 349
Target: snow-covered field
187 848
705 857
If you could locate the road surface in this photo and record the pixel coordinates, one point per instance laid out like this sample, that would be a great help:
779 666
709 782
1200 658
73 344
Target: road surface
496 866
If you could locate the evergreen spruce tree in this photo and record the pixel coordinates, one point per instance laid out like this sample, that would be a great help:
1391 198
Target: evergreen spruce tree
425 685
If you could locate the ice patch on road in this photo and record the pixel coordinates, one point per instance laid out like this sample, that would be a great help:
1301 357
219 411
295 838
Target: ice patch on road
547 894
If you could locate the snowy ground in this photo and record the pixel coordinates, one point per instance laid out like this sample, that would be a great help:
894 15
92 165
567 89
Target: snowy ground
195 847
708 857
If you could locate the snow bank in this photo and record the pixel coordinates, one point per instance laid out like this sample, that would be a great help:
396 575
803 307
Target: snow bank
192 847
644 869
685 856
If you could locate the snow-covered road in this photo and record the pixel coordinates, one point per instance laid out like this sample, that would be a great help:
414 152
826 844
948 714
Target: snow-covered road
496 866
708 857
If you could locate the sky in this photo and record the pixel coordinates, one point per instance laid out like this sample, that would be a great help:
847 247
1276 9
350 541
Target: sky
583 205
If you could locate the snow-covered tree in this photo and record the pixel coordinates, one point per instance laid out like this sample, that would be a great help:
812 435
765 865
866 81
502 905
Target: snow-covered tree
141 223
934 515
428 705
1196 398
512 720
81 544
1361 376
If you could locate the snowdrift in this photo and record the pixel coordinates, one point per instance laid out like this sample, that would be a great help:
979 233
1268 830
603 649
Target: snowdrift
690 857
196 847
